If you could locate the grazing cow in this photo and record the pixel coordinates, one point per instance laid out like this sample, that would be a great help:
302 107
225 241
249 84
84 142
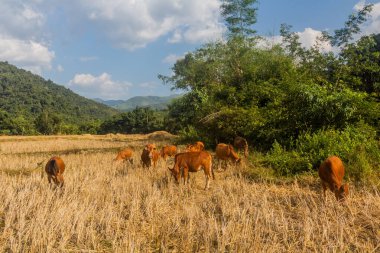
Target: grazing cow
192 162
241 144
155 157
331 173
149 155
196 147
168 151
125 155
54 168
226 152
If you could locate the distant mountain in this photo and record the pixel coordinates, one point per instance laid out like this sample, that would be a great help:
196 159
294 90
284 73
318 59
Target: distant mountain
154 102
25 96
109 102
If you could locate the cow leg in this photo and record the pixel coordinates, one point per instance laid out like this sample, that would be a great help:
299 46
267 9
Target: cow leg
60 180
49 179
207 181
220 164
185 175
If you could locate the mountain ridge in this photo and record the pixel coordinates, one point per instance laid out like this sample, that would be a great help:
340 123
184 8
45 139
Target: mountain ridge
154 102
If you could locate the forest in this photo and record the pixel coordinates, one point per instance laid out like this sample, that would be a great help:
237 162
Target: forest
294 105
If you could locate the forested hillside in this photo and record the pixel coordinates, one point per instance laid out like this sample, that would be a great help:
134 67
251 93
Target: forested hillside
29 104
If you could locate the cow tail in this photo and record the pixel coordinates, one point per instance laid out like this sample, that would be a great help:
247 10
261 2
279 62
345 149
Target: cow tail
54 166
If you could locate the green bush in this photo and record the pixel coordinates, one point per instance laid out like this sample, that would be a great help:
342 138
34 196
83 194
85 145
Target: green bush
359 166
356 146
285 162
317 146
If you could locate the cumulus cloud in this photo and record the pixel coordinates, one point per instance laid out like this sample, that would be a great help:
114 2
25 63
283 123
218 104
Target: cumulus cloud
309 36
21 20
101 86
30 55
21 36
132 24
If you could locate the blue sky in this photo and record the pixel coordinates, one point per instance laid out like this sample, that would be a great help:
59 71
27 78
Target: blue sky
115 49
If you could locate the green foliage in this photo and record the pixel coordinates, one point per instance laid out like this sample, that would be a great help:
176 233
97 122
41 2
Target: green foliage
362 69
285 162
239 15
48 123
140 120
356 146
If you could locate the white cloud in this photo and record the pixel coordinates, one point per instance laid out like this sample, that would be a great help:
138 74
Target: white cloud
21 20
101 86
22 36
132 24
308 38
30 55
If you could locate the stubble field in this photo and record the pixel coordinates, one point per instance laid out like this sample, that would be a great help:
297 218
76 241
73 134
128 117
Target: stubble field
108 207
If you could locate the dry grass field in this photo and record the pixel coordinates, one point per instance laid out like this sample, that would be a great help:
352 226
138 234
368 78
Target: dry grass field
105 207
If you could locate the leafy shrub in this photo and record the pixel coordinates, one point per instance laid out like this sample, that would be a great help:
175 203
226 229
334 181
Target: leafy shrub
189 134
285 162
356 146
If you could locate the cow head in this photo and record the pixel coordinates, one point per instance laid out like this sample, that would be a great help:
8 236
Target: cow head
233 154
58 180
342 192
175 174
149 149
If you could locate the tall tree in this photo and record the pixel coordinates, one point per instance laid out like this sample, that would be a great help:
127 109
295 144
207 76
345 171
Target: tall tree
240 15
344 35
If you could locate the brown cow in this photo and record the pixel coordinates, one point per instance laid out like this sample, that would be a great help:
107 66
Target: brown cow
241 144
54 168
149 156
331 173
168 151
196 147
226 152
192 162
155 157
125 155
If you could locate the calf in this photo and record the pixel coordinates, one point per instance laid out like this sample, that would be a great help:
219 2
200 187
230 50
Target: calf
226 152
241 144
168 151
331 173
149 156
125 155
192 162
196 147
54 168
